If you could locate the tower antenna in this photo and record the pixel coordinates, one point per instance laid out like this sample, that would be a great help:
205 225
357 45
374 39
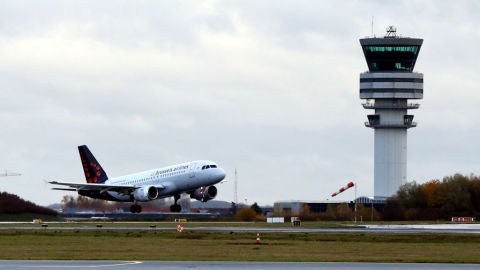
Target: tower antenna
372 27
391 31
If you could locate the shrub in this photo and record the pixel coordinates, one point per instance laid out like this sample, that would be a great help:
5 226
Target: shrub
246 214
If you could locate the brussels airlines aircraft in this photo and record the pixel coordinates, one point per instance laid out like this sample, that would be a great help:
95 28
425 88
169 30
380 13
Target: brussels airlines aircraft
196 178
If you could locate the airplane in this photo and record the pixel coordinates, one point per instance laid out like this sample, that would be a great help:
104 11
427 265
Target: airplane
196 178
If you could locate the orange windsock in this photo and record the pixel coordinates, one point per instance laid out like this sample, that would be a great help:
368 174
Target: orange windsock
349 185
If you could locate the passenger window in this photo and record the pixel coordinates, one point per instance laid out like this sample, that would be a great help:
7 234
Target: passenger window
213 166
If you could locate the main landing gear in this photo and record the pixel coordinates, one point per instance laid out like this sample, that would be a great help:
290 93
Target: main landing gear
135 208
176 208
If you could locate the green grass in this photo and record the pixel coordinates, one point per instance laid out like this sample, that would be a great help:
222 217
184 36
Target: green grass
107 244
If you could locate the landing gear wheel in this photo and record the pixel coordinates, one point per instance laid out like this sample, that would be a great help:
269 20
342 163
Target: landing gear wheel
175 208
135 208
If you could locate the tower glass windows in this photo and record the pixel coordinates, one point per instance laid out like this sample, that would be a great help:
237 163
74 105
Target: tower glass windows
391 57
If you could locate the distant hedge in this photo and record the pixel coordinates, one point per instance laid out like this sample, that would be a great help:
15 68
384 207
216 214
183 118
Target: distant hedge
12 204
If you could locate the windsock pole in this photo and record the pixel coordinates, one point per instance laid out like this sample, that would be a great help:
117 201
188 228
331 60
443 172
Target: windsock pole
355 202
349 185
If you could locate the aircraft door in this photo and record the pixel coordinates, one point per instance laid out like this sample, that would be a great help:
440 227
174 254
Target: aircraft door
191 170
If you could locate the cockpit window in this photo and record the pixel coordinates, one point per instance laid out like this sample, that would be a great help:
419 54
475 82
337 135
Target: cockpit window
208 167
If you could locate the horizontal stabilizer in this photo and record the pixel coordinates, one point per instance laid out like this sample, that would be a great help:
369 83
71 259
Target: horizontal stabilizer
120 188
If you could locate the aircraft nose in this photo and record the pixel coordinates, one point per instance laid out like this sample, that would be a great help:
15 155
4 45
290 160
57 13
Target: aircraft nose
221 174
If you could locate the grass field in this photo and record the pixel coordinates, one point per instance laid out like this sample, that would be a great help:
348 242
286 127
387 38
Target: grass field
104 244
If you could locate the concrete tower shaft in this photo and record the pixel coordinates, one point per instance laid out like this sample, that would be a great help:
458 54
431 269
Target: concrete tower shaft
386 87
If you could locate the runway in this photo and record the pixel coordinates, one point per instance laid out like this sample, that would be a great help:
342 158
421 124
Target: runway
428 228
150 265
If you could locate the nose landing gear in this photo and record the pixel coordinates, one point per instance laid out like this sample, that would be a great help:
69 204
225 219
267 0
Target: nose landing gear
175 208
135 208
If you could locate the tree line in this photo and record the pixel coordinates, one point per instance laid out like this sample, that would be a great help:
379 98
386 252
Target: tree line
453 196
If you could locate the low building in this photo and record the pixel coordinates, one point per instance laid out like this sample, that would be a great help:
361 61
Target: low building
297 208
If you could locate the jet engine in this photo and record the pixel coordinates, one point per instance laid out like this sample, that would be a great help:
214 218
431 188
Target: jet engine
145 194
204 193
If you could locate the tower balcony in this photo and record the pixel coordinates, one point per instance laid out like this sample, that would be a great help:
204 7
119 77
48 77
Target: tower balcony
374 122
409 106
400 126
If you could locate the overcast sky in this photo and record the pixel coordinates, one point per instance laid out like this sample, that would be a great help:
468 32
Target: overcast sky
268 87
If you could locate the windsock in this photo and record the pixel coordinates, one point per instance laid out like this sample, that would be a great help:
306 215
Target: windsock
349 185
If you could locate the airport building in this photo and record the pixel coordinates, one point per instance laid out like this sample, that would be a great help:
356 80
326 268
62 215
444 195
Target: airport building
299 208
387 87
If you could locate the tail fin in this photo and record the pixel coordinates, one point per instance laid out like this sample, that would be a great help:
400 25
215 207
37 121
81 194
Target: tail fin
94 172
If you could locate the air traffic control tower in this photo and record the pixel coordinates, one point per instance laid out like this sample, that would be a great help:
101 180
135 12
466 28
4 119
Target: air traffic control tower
387 86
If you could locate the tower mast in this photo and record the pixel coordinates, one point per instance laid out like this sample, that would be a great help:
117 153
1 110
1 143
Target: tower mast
7 173
236 190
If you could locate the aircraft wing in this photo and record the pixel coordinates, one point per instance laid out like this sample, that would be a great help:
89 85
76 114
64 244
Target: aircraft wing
123 189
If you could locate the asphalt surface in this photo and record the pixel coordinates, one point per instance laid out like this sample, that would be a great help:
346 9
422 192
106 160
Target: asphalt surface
130 265
436 228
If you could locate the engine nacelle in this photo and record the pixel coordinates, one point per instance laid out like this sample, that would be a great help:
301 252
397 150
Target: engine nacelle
145 194
204 193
